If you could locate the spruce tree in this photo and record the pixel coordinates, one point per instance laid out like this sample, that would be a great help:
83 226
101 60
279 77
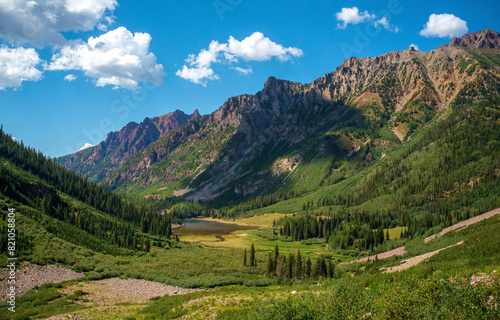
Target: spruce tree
245 258
276 257
307 268
324 271
316 272
289 266
331 269
298 265
270 267
252 256
280 267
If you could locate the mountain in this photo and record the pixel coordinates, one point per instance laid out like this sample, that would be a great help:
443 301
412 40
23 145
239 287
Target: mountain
96 162
56 205
295 138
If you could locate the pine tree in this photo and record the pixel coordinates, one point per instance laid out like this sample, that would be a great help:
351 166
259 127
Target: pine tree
245 258
307 268
298 265
276 257
387 237
316 272
148 245
270 267
331 269
252 256
289 266
280 272
324 271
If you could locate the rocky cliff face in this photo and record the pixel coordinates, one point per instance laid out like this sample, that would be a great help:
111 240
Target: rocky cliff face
241 147
98 161
485 39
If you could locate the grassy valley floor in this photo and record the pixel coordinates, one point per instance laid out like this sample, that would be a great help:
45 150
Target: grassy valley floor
460 282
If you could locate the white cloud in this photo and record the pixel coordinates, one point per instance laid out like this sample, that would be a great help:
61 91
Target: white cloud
352 16
197 75
18 65
444 26
70 77
414 46
117 58
13 139
382 22
259 48
41 22
256 47
243 71
86 146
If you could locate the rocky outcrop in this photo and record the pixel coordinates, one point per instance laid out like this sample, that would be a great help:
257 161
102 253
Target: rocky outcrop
286 164
484 39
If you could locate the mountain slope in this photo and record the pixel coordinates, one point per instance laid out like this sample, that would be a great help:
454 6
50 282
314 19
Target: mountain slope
53 202
294 138
98 161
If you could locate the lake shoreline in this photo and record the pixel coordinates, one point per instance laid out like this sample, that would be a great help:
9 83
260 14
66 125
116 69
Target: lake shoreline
226 221
209 226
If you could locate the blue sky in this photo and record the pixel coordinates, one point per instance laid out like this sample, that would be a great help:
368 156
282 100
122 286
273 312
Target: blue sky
125 58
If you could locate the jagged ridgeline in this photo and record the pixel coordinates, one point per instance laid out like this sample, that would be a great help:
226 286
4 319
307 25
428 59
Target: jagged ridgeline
291 139
54 202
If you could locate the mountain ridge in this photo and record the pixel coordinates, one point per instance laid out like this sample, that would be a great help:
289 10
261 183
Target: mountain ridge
343 111
121 144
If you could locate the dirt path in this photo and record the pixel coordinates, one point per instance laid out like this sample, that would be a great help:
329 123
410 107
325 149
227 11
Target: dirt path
464 224
408 263
31 275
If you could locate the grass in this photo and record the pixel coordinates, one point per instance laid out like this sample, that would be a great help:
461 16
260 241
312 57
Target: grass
387 134
395 233
44 303
265 220
244 239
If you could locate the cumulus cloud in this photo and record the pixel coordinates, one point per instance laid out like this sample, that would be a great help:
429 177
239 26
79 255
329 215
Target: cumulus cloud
444 26
352 16
259 48
70 77
414 46
86 146
41 22
197 75
18 65
243 71
117 58
256 47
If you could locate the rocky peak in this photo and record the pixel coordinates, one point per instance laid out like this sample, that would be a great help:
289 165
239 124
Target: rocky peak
484 39
121 144
271 82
